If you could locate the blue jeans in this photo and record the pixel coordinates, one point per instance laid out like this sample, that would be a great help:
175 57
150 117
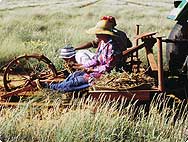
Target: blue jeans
73 82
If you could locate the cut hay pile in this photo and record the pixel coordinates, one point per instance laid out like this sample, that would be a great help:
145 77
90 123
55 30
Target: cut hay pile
124 81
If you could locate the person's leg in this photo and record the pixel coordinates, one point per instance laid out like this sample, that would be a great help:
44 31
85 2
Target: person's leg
72 83
75 74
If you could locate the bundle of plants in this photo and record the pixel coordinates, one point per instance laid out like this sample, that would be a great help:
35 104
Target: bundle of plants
124 81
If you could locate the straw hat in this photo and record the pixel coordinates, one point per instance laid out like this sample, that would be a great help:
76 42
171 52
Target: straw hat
111 19
67 52
102 27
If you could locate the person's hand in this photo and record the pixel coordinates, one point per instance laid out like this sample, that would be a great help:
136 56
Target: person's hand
89 70
79 67
71 63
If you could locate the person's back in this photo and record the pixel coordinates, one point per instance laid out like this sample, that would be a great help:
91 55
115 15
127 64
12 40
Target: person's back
122 39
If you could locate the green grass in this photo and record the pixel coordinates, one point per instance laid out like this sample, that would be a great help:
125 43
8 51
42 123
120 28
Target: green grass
95 121
47 26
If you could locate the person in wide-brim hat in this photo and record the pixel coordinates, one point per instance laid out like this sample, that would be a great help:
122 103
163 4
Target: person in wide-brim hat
102 27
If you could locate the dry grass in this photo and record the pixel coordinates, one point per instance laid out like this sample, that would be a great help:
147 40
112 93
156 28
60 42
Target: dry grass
26 24
44 27
91 120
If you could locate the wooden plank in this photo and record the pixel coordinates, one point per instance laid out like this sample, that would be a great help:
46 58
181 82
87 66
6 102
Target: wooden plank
152 62
133 49
151 59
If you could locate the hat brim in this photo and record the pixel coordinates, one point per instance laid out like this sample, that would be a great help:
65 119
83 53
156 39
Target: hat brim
68 57
67 53
99 31
65 50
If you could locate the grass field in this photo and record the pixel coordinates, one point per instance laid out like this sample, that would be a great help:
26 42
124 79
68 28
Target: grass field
44 26
101 121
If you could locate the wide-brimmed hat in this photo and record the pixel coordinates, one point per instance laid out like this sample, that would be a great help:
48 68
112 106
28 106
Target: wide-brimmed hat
67 52
111 19
102 27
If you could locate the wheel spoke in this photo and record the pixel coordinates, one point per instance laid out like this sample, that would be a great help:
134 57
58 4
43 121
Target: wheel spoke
27 68
25 79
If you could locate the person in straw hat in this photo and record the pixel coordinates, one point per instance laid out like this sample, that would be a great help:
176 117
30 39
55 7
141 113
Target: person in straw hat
106 58
121 39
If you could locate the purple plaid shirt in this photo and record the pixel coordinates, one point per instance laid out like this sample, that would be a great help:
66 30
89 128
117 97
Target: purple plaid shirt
106 57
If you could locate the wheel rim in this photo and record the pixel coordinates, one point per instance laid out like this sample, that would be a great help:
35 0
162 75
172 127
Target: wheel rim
24 69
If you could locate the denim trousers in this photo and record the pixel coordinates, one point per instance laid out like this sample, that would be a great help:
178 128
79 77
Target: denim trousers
73 82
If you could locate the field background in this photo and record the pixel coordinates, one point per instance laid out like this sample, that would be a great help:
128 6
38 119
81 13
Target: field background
44 26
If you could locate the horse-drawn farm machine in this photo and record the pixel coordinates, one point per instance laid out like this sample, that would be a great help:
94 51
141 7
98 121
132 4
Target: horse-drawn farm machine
138 80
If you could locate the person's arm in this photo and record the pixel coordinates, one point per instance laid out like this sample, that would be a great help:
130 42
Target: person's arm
91 63
103 68
93 43
84 46
110 64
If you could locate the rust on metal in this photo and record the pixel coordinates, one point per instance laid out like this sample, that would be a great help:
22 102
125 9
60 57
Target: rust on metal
133 49
151 60
149 41
22 67
143 95
18 91
145 35
160 64
137 33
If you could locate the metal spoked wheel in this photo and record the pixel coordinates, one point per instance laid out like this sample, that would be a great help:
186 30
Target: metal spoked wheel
24 69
